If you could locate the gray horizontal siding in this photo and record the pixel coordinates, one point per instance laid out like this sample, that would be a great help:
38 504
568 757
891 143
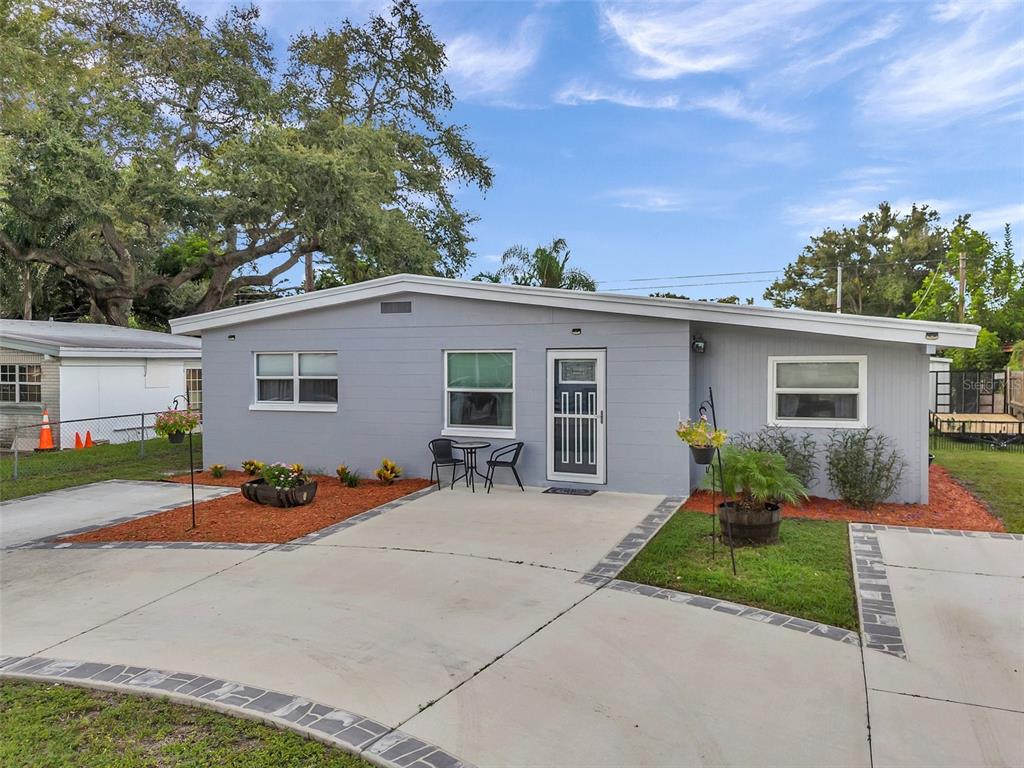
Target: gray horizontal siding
391 387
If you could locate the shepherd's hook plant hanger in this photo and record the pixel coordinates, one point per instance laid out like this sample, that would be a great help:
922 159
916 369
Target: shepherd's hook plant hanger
702 410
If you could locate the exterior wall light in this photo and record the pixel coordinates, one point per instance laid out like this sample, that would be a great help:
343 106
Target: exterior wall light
698 345
931 335
577 331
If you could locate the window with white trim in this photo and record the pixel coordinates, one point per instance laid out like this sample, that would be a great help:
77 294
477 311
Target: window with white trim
296 378
194 387
480 392
21 383
822 391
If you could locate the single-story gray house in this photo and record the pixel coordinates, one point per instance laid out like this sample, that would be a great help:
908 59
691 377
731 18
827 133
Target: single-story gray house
87 370
592 383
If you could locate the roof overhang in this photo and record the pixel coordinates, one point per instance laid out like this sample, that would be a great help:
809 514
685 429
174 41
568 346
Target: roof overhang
152 354
852 326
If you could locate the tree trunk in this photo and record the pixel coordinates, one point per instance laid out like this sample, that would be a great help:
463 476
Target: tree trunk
309 273
26 291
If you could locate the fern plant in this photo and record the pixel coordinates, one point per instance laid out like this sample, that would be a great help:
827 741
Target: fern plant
755 478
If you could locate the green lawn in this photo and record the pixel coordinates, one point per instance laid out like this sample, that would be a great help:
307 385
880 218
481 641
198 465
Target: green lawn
996 477
51 726
807 574
39 472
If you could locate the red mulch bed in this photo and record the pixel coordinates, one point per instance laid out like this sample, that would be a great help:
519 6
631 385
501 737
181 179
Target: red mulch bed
950 506
235 519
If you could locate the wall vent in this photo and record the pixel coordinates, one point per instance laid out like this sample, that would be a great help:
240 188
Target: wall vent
395 307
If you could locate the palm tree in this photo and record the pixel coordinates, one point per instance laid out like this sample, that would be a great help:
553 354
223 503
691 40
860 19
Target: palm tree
544 267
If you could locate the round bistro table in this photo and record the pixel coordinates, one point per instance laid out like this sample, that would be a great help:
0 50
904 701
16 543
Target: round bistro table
469 449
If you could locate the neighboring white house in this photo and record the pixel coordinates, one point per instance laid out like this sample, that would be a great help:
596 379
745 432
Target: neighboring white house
84 370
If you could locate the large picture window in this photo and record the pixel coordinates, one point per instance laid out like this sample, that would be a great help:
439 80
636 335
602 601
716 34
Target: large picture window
302 380
826 391
480 392
21 383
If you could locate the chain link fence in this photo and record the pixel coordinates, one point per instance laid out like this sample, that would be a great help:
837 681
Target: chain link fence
93 444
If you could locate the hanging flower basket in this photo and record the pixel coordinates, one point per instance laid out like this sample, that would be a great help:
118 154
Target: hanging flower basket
175 437
703 454
173 424
702 438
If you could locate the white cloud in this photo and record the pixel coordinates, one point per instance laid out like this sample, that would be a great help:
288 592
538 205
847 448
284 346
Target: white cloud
651 199
993 220
976 68
770 152
883 29
670 41
481 64
576 92
731 104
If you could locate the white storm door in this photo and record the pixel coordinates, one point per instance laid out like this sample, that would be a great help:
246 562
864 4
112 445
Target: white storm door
576 415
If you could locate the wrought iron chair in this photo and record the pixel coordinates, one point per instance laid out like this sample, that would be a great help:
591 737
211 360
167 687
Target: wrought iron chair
507 458
441 450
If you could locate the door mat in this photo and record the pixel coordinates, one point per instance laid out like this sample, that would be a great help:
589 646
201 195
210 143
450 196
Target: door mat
572 491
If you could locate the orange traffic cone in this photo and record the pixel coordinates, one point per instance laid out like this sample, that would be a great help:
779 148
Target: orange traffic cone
45 434
78 441
88 439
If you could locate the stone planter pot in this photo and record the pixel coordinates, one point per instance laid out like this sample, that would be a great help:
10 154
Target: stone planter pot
750 527
176 437
702 454
261 493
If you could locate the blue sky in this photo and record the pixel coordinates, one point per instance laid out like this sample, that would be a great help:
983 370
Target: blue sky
712 137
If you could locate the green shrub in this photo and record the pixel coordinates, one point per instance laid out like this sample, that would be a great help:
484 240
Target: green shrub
799 451
863 467
217 470
753 478
347 476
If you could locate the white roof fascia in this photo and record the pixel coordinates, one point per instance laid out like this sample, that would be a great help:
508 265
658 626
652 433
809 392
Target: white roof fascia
100 352
853 326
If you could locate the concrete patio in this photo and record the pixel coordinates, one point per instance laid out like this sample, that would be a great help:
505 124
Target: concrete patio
475 623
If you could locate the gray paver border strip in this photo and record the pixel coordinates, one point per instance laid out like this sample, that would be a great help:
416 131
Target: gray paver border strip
808 627
621 554
353 733
872 527
877 611
53 542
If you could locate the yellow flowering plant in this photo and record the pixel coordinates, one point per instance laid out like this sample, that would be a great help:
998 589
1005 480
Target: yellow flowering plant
700 433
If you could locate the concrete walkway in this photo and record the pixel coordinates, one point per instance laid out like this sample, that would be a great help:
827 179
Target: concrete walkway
958 697
475 623
48 514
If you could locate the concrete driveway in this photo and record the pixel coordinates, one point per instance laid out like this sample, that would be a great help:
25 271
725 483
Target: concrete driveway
473 623
87 506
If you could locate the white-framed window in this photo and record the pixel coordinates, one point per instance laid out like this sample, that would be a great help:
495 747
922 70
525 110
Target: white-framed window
21 383
303 381
479 392
818 391
194 387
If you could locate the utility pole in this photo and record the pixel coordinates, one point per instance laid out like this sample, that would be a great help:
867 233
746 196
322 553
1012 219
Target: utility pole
839 289
963 282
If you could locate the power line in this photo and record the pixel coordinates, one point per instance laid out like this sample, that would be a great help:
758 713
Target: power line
686 285
690 277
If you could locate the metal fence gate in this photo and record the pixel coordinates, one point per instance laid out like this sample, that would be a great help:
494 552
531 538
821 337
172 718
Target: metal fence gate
969 391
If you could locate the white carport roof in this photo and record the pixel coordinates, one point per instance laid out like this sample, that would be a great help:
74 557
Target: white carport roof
854 326
92 340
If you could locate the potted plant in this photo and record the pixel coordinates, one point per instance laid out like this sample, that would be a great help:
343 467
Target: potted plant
702 438
174 424
281 485
758 482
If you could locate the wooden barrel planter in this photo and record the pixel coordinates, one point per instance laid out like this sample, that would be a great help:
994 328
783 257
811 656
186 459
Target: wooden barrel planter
750 527
261 493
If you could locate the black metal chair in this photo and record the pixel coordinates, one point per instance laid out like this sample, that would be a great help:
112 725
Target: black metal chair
441 450
507 458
